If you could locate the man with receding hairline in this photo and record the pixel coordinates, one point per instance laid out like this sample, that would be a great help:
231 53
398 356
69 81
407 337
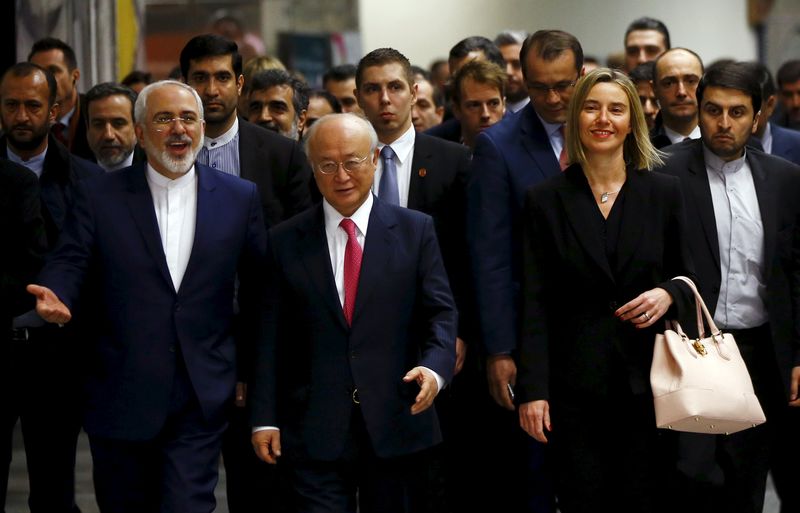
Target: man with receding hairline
675 77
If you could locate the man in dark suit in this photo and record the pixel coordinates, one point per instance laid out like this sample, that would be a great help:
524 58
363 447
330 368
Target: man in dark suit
788 113
212 65
745 208
162 369
69 125
773 138
675 77
43 358
521 150
110 131
360 338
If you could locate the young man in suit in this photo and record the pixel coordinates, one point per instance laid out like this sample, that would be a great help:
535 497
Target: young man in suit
162 370
360 332
775 139
42 357
211 64
510 157
744 203
675 78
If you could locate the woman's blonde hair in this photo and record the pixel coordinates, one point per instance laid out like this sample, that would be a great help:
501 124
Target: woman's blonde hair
637 149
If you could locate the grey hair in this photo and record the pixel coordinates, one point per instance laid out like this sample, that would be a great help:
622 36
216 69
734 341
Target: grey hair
140 109
373 136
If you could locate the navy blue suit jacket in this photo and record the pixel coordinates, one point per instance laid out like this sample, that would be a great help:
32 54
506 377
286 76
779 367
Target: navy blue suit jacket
311 361
144 325
785 143
509 158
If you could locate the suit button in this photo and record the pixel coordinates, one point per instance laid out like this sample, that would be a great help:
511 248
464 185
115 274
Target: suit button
612 305
177 308
353 355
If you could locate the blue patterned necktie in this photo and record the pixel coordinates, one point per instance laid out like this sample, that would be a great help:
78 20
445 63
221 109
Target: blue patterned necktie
387 190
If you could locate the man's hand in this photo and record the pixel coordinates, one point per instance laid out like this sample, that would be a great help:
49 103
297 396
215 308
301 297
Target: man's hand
501 371
48 306
794 392
241 394
534 418
461 355
267 444
428 388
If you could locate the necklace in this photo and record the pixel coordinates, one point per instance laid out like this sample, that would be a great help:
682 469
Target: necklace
604 196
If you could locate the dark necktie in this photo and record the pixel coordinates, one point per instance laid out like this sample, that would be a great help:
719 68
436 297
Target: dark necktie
60 132
388 187
352 268
563 158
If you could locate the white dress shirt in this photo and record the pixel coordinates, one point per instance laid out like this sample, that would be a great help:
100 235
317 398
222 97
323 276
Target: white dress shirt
740 235
675 137
403 148
553 131
766 140
35 163
175 203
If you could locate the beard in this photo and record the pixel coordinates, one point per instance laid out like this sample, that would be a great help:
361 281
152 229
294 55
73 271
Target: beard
176 165
29 141
112 158
291 133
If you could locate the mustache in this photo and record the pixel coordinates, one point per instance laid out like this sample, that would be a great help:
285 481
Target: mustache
179 139
269 126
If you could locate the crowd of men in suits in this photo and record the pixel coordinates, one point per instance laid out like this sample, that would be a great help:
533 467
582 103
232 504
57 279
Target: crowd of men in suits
209 286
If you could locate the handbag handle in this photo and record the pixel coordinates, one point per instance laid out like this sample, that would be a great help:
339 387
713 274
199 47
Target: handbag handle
716 334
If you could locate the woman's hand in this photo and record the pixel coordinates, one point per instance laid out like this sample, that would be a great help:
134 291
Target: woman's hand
646 308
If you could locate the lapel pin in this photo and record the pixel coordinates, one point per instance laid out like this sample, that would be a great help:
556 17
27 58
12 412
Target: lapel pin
422 172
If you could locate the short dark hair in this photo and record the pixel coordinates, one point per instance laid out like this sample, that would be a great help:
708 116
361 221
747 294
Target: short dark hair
340 73
106 89
25 69
788 72
269 78
671 51
764 78
510 37
137 77
647 23
643 72
51 43
549 45
733 75
381 57
416 70
328 97
477 44
483 72
209 45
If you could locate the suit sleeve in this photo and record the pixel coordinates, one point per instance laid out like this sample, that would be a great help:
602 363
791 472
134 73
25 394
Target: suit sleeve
489 237
533 372
436 299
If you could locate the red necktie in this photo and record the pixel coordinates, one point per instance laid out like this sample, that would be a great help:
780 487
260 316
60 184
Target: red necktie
563 158
352 268
60 132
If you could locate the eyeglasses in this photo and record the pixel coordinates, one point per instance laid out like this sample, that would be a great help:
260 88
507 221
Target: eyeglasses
165 121
558 88
353 165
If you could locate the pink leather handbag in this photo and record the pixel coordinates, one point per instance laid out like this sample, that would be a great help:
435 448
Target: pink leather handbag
702 385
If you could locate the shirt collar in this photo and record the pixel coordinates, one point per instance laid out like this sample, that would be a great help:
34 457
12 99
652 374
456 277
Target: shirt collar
675 137
68 116
211 143
360 217
766 140
403 145
550 128
35 163
159 180
716 164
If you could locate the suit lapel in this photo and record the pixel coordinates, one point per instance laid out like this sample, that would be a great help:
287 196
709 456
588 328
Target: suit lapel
701 191
378 248
247 155
637 192
767 197
537 143
313 248
204 218
580 211
421 159
140 204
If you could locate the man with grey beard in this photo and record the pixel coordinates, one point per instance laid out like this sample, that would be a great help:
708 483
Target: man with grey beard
278 102
165 243
110 133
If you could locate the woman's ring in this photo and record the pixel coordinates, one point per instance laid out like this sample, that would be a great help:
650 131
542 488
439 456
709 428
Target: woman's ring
646 316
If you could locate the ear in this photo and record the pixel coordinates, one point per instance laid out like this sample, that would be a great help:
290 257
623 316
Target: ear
755 122
52 115
76 75
414 89
137 129
239 84
582 73
440 113
301 122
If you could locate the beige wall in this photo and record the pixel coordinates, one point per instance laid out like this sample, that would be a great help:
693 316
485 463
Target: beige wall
426 29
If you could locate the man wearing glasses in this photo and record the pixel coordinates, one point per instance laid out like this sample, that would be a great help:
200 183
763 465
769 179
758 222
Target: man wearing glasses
163 243
361 329
510 157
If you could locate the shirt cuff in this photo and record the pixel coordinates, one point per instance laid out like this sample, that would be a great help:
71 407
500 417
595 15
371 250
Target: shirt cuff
264 428
439 380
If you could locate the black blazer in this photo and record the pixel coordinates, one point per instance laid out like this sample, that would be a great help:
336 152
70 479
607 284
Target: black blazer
438 188
278 167
572 345
311 360
777 184
22 230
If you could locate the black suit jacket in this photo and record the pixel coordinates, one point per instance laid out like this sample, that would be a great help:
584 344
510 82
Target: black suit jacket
278 167
572 345
777 184
438 188
449 130
78 141
22 230
311 360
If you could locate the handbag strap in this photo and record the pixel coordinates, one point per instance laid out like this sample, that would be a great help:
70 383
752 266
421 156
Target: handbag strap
701 306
